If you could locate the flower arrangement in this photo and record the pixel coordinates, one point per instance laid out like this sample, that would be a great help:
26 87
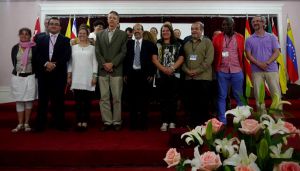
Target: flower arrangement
253 143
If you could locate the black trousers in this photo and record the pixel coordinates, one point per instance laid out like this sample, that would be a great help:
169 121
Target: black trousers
50 89
138 92
168 94
196 100
83 105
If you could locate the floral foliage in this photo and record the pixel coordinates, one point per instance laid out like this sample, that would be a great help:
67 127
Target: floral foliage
253 143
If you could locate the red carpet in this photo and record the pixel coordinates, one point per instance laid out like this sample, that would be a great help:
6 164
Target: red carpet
92 150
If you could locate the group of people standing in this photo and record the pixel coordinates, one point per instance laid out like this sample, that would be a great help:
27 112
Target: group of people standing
174 66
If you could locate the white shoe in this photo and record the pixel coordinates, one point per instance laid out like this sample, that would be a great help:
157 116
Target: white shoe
27 128
18 128
172 125
164 127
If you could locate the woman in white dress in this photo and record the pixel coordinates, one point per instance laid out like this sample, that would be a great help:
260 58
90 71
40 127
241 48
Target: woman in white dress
23 85
82 76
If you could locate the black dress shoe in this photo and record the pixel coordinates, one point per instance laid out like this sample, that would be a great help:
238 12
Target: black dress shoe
62 128
78 128
117 127
105 127
39 129
143 127
133 127
84 128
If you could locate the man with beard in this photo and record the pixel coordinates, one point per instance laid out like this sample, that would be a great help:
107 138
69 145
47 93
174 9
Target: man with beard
229 56
262 50
138 74
199 54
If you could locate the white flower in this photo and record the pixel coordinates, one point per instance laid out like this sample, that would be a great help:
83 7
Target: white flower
273 127
240 113
195 134
208 161
195 162
276 152
227 147
242 158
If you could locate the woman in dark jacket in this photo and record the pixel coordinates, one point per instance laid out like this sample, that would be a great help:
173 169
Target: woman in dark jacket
23 88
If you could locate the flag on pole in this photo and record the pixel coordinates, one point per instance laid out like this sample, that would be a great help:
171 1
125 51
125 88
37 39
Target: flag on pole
291 58
68 31
274 30
281 71
88 22
247 63
74 30
37 28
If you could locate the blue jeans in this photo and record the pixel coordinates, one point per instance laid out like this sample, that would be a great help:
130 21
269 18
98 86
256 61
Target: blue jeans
236 80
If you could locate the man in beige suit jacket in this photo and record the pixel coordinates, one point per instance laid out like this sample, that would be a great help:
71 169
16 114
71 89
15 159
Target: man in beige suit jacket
110 51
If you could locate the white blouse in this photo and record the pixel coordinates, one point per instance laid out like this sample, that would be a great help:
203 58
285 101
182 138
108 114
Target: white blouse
83 65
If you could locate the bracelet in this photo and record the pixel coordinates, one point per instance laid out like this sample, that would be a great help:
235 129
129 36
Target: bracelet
172 67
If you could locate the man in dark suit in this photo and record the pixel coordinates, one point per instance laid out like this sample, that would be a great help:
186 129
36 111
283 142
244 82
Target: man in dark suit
138 74
53 53
110 50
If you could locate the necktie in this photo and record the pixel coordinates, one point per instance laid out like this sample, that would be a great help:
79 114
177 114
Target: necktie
137 52
51 45
53 38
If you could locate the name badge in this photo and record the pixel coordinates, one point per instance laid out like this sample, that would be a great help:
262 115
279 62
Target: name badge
193 57
177 75
225 54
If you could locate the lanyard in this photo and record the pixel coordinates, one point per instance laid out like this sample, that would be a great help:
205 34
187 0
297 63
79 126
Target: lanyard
195 47
227 42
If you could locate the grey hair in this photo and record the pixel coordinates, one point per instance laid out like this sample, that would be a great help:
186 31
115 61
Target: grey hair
201 25
263 19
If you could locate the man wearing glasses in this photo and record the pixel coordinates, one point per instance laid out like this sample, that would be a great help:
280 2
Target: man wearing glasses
53 53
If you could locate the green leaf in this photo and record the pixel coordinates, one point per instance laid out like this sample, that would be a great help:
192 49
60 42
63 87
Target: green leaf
261 95
243 100
209 131
267 136
248 91
275 101
263 149
227 168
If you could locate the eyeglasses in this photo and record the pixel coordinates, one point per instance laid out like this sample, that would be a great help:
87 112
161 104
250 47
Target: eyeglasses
54 24
257 21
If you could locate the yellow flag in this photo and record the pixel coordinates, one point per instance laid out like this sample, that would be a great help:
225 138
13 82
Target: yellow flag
68 31
282 70
247 63
88 22
282 75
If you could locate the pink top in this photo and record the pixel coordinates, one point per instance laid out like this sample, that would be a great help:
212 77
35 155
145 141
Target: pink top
230 61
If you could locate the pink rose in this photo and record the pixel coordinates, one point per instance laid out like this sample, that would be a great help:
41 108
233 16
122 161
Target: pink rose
290 127
288 166
172 157
210 161
243 168
216 125
250 126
